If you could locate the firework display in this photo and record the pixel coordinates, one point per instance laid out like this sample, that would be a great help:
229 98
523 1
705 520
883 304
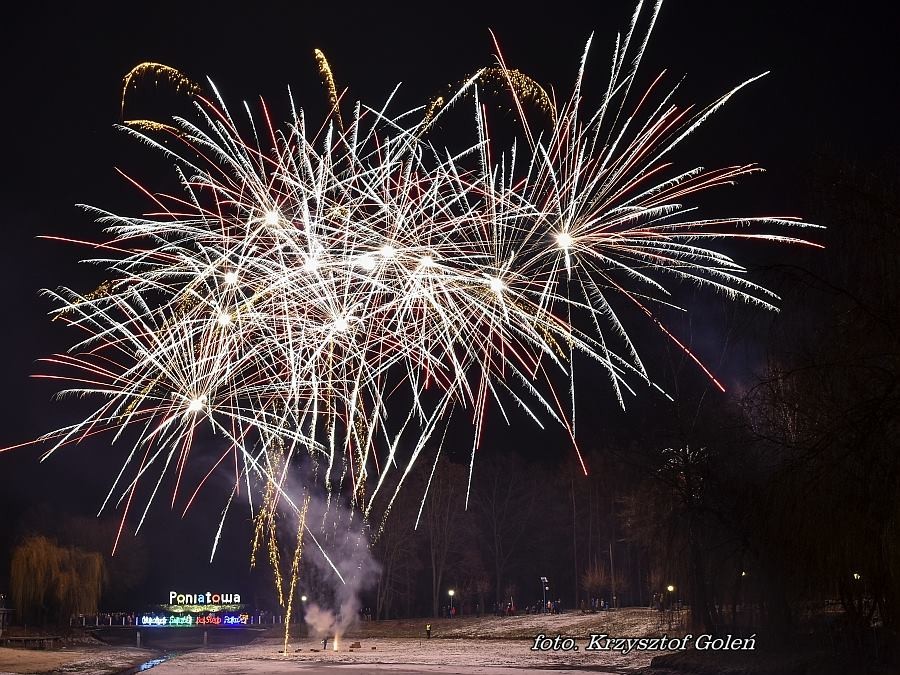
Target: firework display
331 294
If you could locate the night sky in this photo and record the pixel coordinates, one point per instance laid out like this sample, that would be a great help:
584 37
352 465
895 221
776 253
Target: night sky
833 89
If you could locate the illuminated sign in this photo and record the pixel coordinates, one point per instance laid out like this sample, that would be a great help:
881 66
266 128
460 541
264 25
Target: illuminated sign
176 598
155 620
188 620
232 620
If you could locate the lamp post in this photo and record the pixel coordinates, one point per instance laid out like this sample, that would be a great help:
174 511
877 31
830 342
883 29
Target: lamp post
670 589
303 628
545 586
451 593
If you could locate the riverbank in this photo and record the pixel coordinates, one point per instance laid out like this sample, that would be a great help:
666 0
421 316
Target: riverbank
82 660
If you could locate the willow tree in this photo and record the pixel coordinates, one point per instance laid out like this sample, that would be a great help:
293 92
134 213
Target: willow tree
51 582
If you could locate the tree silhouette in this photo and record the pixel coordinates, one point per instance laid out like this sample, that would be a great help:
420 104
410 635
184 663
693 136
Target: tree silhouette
51 583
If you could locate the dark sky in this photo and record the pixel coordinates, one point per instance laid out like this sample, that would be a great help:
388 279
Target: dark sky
833 88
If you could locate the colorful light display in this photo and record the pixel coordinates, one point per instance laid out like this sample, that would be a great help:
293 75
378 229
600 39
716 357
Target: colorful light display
187 620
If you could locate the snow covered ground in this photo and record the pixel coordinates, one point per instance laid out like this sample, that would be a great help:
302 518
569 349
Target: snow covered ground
480 646
407 654
632 622
465 645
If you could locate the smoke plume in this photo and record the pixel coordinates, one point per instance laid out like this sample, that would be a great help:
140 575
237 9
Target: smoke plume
338 567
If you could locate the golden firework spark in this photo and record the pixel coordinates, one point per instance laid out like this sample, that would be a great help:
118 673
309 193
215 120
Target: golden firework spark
149 125
163 74
328 81
497 79
295 570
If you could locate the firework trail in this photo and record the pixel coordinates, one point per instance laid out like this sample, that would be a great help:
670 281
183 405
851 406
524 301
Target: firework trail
340 292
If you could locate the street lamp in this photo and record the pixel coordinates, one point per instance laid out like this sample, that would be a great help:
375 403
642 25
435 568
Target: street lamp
545 586
302 598
670 589
451 593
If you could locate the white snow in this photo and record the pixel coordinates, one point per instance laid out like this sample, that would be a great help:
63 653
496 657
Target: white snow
463 645
485 646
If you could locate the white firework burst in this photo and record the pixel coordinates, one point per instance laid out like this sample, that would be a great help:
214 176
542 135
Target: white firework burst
333 293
